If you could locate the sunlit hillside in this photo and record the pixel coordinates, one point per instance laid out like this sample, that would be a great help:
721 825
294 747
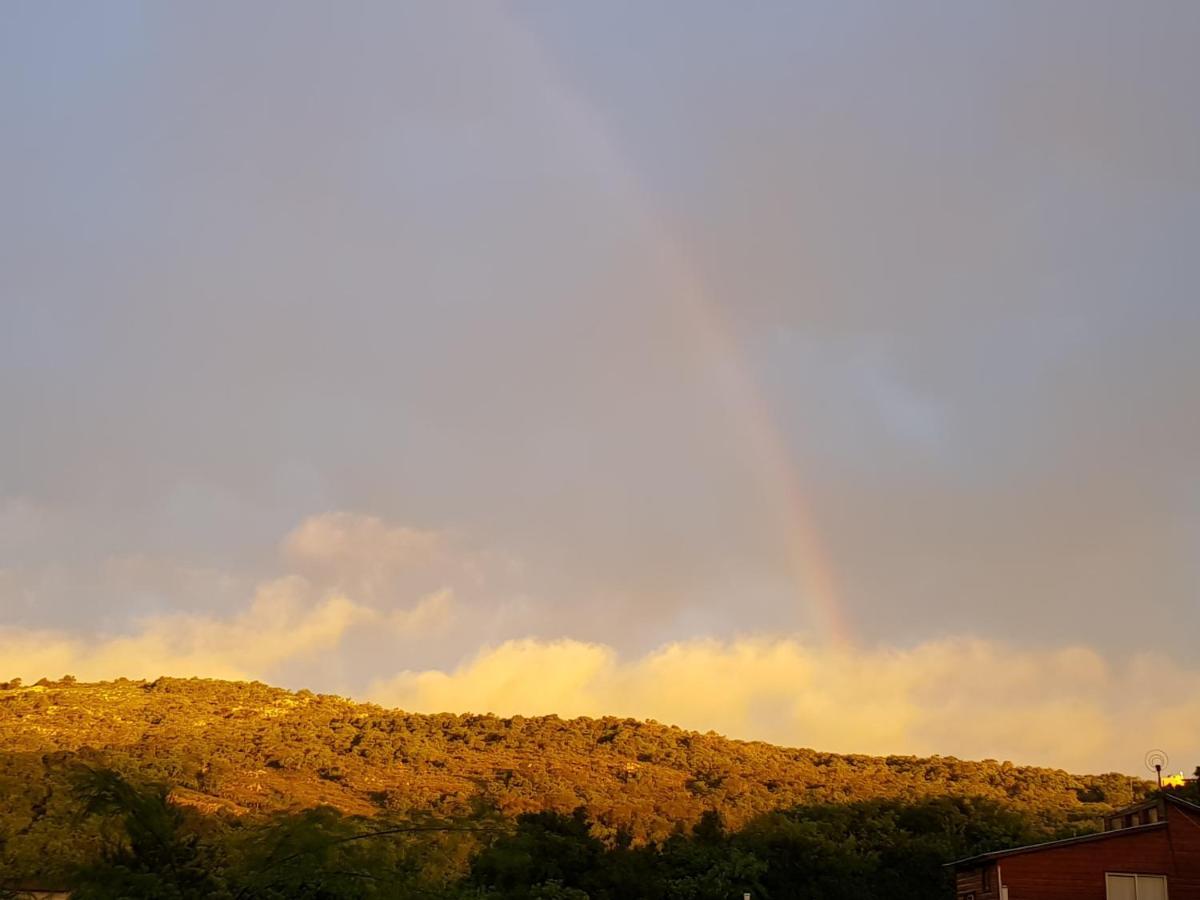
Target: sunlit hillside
246 749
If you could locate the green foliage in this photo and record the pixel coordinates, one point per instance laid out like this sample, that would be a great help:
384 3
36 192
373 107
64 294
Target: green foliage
864 851
152 854
880 848
861 851
155 849
259 764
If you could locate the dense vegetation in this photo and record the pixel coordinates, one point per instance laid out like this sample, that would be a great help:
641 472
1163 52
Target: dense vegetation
482 803
153 848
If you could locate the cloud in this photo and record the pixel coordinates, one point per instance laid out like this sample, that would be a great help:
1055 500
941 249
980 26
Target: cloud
362 554
1065 706
341 563
355 592
479 300
341 541
278 625
431 613
282 624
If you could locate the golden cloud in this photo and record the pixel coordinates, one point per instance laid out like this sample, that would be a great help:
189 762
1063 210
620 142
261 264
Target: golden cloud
965 697
282 624
1066 706
334 558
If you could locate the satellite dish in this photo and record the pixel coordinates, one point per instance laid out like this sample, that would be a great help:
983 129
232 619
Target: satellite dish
1156 761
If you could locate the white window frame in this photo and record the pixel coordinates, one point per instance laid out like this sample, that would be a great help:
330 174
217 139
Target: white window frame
1137 876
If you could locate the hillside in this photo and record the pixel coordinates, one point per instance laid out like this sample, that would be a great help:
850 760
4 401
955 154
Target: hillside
247 748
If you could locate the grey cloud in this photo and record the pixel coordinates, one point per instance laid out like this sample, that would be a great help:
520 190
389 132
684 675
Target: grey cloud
263 263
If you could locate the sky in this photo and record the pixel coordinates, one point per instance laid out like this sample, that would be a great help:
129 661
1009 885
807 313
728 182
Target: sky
823 373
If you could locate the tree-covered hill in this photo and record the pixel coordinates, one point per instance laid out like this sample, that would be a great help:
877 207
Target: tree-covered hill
246 748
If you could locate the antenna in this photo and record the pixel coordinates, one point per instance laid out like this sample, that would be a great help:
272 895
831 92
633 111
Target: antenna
1156 761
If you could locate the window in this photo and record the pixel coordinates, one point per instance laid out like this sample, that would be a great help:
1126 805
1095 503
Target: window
1136 887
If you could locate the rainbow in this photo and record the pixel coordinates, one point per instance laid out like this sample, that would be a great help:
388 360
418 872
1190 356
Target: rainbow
703 318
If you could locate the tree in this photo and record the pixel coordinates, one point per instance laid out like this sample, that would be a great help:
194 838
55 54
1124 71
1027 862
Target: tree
149 853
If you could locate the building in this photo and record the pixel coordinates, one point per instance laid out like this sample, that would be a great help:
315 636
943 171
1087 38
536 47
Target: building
1150 851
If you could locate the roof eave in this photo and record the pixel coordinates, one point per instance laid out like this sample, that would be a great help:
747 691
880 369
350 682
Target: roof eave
1062 842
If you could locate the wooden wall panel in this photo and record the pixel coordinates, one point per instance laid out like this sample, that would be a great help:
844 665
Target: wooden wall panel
1076 871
